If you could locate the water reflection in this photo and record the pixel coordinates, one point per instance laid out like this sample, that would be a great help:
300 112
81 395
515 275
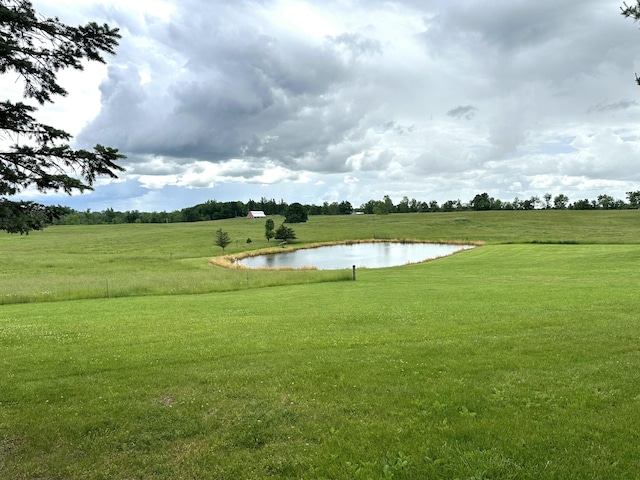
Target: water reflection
370 255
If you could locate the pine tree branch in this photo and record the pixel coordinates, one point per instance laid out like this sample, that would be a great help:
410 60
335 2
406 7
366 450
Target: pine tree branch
36 48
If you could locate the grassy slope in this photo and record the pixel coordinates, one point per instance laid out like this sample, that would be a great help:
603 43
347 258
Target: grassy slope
129 260
502 362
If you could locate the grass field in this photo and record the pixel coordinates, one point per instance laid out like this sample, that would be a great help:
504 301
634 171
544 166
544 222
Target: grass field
519 359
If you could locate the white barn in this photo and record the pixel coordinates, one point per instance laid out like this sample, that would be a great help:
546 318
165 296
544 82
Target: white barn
256 214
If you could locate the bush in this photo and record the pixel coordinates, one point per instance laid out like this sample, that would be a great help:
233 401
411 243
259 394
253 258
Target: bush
285 234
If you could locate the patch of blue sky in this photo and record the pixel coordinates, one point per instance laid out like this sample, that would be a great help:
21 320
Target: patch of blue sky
554 148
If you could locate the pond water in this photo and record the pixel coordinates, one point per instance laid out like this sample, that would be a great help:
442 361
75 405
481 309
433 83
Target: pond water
369 255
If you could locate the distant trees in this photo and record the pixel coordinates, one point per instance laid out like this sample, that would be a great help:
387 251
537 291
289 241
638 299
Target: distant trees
268 229
583 204
333 208
222 239
481 202
560 202
213 210
285 234
634 199
448 206
606 202
345 208
531 203
296 213
403 206
368 207
379 207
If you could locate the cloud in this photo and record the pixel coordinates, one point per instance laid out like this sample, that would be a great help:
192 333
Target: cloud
356 46
466 112
426 99
612 107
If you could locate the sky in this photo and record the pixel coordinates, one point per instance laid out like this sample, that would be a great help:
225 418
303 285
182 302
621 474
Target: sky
331 100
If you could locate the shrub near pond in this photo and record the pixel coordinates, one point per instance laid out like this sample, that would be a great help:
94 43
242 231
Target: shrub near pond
285 234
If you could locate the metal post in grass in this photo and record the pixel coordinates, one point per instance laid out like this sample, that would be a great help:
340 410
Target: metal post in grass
354 272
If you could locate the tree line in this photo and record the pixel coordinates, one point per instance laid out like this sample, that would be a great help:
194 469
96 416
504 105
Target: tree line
214 210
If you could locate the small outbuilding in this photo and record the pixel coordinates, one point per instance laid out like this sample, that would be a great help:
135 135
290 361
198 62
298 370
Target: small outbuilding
256 214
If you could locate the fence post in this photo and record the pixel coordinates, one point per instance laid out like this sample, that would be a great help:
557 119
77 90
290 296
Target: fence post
354 272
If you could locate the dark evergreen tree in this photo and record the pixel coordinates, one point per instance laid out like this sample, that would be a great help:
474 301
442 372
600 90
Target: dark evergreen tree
632 11
222 239
285 234
36 49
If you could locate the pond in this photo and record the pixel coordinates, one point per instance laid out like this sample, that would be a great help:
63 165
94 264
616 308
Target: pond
368 255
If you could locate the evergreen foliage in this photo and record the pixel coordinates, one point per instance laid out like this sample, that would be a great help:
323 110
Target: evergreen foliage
222 239
285 234
632 11
36 49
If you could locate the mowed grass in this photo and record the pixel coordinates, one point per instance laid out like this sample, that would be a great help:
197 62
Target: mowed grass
511 360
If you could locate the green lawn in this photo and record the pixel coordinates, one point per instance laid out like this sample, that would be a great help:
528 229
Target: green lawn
513 360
